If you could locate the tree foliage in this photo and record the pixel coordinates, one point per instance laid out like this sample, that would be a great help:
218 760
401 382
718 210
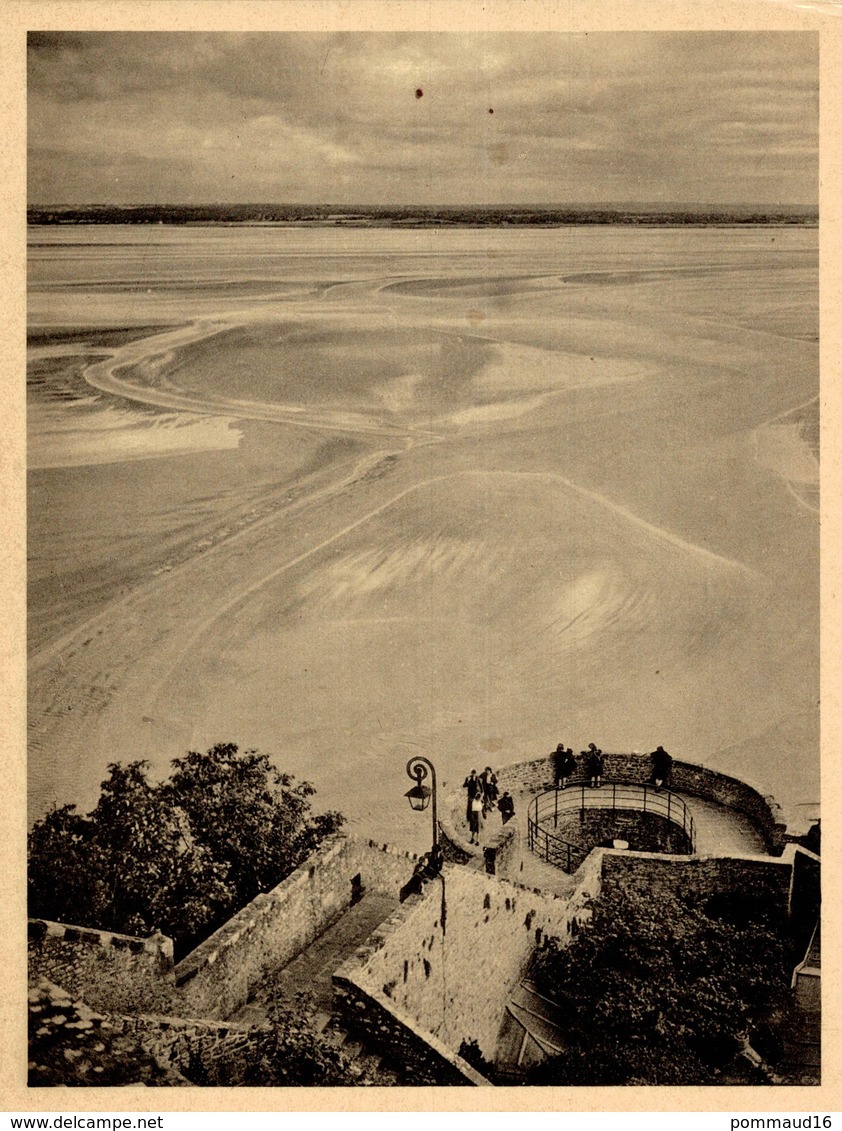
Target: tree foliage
179 856
655 992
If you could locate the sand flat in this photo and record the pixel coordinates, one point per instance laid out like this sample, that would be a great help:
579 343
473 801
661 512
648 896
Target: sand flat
519 508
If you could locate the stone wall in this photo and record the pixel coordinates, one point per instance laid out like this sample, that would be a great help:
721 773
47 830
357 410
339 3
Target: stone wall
644 832
423 1058
452 973
805 895
501 853
687 777
119 974
207 1053
111 972
699 877
219 975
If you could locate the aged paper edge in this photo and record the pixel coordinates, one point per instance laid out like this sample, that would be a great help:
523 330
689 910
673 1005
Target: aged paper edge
467 16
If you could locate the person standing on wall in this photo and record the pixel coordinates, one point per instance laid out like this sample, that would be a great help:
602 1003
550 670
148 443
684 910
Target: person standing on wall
594 764
564 765
661 767
490 792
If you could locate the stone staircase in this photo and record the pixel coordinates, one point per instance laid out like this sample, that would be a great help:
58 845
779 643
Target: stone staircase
368 1064
311 973
530 1032
800 1061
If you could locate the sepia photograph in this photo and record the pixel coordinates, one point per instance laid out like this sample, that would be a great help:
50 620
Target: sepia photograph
422 539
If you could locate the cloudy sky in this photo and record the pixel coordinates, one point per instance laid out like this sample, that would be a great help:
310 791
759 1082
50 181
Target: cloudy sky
423 118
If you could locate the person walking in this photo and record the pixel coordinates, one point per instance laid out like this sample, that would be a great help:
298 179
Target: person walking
473 787
594 765
475 814
564 765
490 792
506 806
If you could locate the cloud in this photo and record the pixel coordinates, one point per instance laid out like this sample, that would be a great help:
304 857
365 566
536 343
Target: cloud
540 116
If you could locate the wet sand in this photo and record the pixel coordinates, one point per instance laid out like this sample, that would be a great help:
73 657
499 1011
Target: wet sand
482 498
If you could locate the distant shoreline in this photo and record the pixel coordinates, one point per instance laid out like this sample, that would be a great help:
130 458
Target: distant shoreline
373 217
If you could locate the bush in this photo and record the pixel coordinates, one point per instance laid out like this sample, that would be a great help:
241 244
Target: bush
656 992
293 1054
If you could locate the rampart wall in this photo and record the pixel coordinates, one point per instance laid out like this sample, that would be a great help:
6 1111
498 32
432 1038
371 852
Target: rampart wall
119 974
219 975
207 1052
384 1026
501 852
805 895
644 832
108 970
699 877
436 973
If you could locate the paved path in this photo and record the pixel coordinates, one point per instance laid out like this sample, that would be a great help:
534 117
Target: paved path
311 970
720 831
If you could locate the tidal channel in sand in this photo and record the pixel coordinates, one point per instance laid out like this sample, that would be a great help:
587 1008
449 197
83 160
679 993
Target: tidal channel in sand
351 495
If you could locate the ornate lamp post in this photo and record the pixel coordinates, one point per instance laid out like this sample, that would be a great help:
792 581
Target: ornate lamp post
430 864
419 797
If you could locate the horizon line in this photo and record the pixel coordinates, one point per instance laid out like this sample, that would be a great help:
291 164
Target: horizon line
577 204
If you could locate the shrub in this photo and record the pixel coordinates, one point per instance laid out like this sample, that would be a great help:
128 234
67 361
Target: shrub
656 992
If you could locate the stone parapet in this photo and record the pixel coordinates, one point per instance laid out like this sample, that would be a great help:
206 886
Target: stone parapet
536 776
206 1052
447 960
398 1037
116 973
110 971
767 879
644 832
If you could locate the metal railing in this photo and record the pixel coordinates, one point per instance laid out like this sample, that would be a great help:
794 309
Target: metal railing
544 811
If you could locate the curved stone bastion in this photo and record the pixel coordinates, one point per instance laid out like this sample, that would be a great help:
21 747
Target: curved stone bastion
564 825
700 812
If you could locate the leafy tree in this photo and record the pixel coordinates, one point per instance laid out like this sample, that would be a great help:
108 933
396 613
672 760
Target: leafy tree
155 873
655 992
66 868
179 856
248 815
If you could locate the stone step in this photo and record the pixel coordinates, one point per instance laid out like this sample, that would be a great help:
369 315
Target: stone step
801 1038
321 1021
365 1060
311 972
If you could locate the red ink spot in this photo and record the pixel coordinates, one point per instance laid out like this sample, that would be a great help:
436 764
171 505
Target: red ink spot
419 93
